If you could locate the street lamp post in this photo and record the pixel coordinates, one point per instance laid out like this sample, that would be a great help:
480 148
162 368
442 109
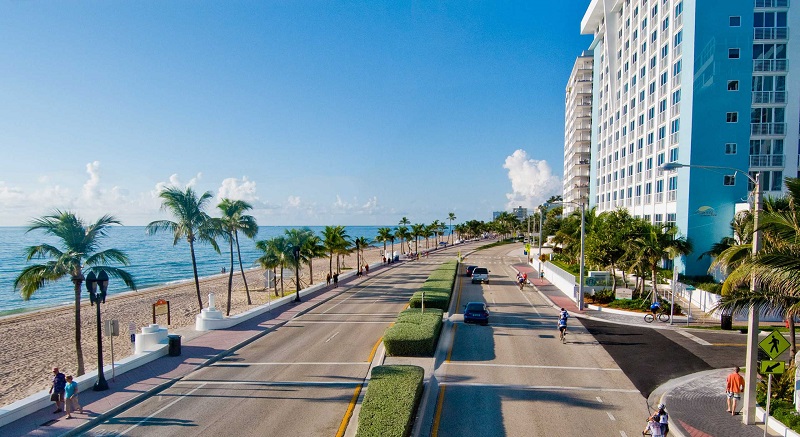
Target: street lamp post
95 297
541 224
297 273
530 240
749 404
581 267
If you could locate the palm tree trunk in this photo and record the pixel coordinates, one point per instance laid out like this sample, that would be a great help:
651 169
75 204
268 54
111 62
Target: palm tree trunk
655 286
792 345
310 272
78 346
282 290
330 264
230 282
196 279
613 278
241 268
275 278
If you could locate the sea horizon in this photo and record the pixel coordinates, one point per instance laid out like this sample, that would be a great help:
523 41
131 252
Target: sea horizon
154 260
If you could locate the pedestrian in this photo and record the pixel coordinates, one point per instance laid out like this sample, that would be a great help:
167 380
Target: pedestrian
71 397
563 314
653 426
734 386
360 272
366 269
335 280
663 419
328 279
57 389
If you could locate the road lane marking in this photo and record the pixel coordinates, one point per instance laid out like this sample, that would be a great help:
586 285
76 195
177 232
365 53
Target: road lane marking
161 409
438 416
622 434
333 322
223 363
331 337
348 314
531 366
695 339
599 399
729 344
349 413
611 416
538 387
272 383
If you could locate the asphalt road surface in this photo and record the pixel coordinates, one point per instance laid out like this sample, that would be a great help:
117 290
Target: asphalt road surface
297 380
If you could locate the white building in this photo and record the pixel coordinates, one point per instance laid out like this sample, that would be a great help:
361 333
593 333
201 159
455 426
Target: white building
578 133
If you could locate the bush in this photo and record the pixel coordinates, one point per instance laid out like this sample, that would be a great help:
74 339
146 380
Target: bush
711 287
602 297
391 401
782 404
415 333
437 288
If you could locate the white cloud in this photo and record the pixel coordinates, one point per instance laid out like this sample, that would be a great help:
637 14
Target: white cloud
294 201
91 188
532 181
232 188
174 181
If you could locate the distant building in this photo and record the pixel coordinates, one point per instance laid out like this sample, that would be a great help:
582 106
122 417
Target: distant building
578 133
520 212
496 214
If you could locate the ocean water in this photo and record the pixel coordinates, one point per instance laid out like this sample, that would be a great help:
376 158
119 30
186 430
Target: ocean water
154 260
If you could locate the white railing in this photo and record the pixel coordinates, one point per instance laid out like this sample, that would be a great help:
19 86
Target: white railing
673 139
648 174
760 33
767 128
677 50
769 96
772 3
649 150
766 160
770 64
676 80
662 117
662 143
672 195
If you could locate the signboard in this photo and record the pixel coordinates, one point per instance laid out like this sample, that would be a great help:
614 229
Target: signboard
111 328
624 293
772 367
774 344
160 308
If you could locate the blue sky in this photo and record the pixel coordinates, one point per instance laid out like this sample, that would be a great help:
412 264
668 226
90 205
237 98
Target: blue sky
317 112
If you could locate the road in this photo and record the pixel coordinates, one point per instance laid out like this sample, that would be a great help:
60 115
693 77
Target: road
298 380
514 378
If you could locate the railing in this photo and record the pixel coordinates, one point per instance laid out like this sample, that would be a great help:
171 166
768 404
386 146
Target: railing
766 160
770 64
768 129
663 89
662 117
674 110
676 80
648 174
659 197
630 202
639 154
638 177
649 150
651 99
760 33
672 195
677 50
647 198
678 20
772 3
769 96
650 124
662 143
638 200
664 62
673 139
640 130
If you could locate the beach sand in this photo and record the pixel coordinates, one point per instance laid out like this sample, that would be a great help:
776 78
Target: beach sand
36 342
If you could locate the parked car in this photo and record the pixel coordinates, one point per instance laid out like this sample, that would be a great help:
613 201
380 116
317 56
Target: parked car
469 270
480 274
476 312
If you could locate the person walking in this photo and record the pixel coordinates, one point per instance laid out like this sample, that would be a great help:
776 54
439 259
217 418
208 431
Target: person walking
734 386
328 279
366 269
663 419
335 280
71 397
57 389
653 426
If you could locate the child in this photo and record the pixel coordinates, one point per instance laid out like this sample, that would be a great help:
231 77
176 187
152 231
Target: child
71 397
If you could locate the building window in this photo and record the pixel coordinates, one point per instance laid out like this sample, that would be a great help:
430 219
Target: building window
732 117
735 21
729 180
733 85
730 148
733 53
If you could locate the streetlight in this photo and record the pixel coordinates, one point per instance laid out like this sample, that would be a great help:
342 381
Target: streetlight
583 241
749 405
92 282
541 223
297 273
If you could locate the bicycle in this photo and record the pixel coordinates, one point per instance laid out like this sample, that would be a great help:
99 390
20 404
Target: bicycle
663 316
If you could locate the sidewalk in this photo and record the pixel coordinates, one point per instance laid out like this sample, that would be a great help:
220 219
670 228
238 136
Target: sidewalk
199 349
695 403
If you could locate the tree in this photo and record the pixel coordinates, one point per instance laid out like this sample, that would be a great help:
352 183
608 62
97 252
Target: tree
78 252
335 240
404 235
298 238
451 216
313 248
232 221
657 243
417 230
275 252
605 240
192 223
384 235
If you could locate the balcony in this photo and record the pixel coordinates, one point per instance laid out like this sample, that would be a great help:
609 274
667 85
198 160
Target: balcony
772 3
659 197
664 62
662 143
676 80
662 117
767 128
765 33
648 174
672 195
638 200
769 96
677 51
766 160
673 139
770 64
675 110
650 150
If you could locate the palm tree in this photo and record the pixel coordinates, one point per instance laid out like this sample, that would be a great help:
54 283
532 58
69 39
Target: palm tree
192 223
79 250
313 248
451 216
384 235
656 244
403 234
417 230
335 240
234 220
361 243
297 238
275 255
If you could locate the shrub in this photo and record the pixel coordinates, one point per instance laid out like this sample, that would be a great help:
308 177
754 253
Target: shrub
391 401
437 288
603 296
711 287
414 333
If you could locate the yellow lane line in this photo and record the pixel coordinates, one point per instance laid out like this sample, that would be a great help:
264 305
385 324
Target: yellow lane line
352 406
438 415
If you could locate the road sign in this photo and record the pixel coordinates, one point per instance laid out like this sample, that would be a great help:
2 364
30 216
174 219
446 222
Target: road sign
772 367
774 344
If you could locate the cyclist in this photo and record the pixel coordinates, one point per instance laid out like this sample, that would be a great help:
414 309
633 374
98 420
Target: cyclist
520 280
655 307
562 328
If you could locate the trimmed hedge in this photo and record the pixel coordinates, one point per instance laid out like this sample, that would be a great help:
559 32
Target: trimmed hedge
437 288
391 401
415 333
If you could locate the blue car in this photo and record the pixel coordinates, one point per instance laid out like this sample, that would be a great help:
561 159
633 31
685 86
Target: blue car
476 312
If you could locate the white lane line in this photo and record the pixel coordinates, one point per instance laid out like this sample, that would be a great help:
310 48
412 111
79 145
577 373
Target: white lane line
307 363
529 302
599 399
692 337
530 366
622 434
334 322
272 383
161 409
537 387
611 416
350 314
331 337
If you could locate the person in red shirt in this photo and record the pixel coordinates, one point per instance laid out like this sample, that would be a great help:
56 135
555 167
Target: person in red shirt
734 386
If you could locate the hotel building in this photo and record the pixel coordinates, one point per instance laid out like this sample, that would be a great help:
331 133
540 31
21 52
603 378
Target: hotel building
699 82
578 133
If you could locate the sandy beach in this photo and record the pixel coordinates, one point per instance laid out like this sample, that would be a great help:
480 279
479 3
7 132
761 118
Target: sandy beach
35 342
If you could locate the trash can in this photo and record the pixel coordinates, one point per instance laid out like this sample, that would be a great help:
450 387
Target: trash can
174 342
726 322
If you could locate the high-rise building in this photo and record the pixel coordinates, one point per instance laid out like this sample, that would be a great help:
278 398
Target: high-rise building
520 213
675 81
578 133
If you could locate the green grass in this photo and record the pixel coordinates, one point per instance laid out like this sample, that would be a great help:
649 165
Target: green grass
390 403
495 244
